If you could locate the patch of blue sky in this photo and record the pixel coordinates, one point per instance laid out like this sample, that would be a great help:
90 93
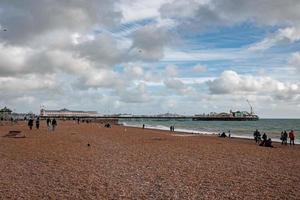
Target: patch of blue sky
285 48
228 37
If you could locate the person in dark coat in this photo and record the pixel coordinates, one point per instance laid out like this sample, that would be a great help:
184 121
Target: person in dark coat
30 123
256 135
264 137
223 135
263 142
268 143
37 123
54 124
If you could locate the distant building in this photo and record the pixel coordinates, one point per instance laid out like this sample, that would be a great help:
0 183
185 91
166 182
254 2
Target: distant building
5 113
67 113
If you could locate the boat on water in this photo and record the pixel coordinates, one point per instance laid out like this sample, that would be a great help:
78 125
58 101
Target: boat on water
231 116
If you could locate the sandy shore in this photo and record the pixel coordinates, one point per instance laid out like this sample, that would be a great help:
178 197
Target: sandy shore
133 163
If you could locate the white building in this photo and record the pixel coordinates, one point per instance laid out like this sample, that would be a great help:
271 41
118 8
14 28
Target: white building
67 113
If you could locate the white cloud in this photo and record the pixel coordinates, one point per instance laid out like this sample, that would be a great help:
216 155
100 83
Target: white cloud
136 94
9 66
200 68
295 61
171 70
135 9
28 83
178 86
285 35
233 83
103 49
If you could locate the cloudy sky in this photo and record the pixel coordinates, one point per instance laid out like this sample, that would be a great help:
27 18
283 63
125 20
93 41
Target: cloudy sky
145 57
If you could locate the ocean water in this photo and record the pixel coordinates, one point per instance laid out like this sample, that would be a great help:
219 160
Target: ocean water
243 129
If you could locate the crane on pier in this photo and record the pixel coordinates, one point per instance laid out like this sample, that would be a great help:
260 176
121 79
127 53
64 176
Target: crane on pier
251 108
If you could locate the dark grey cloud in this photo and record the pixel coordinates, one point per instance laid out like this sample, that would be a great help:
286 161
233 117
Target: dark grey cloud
27 19
204 15
149 43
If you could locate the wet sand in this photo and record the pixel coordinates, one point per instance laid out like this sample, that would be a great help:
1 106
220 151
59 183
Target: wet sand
133 163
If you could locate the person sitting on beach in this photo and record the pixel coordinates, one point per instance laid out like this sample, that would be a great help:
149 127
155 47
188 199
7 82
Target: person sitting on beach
268 143
292 137
30 123
107 125
263 142
223 135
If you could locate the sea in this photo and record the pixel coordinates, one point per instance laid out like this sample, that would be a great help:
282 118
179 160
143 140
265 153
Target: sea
239 129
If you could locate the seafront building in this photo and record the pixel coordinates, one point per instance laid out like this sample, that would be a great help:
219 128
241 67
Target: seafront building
5 113
67 113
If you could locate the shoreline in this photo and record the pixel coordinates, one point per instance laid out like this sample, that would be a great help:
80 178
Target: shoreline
186 132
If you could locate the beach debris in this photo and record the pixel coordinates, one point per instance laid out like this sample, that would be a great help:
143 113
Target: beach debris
158 138
15 134
88 145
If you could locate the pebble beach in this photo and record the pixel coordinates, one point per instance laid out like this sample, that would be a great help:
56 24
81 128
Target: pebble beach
88 161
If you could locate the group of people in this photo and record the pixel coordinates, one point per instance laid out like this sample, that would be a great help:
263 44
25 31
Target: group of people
107 125
51 124
172 128
267 142
223 134
284 137
31 122
262 140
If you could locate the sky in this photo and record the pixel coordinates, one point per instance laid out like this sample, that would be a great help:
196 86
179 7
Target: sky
149 57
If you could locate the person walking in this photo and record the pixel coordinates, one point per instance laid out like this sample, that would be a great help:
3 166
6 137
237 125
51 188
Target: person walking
48 123
292 137
30 123
54 124
37 123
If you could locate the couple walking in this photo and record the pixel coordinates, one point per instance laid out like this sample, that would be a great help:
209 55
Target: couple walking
51 124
